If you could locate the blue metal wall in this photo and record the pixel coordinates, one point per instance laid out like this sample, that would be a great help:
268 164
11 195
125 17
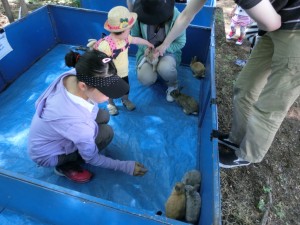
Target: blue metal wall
91 26
102 5
2 82
52 204
203 18
208 155
28 44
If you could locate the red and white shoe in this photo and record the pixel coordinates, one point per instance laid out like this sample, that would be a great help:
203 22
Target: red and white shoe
239 41
230 35
74 172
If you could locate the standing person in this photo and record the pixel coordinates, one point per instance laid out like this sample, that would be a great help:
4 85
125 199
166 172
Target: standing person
240 18
116 44
252 34
68 128
263 13
130 4
265 89
155 20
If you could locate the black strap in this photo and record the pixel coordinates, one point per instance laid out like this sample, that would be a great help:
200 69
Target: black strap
117 51
214 134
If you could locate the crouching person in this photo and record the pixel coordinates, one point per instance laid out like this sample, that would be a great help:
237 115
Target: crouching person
68 128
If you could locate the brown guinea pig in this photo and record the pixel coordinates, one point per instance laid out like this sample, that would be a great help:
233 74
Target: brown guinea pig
197 68
176 203
150 59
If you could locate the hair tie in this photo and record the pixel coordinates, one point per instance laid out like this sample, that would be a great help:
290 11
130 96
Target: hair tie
106 60
77 57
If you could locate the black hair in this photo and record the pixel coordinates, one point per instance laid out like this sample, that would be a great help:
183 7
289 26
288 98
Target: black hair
118 33
71 58
92 63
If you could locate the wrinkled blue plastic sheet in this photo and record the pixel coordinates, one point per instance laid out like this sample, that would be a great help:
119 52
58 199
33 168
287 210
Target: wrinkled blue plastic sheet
9 217
157 134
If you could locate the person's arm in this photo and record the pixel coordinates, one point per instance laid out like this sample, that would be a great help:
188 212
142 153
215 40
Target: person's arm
90 154
130 4
182 22
141 41
264 15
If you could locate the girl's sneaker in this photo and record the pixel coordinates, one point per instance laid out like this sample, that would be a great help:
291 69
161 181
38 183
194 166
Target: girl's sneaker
168 91
112 109
74 172
239 41
128 104
230 35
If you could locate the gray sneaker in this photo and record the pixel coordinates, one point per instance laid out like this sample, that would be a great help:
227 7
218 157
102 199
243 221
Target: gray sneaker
169 90
112 109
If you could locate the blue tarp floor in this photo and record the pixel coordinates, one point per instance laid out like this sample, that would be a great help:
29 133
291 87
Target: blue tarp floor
157 134
8 217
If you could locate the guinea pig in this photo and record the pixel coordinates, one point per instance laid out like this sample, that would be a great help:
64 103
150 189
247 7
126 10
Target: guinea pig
91 43
197 68
188 103
192 177
151 59
176 203
193 204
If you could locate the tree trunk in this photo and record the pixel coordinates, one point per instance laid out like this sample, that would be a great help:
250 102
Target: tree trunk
8 12
24 9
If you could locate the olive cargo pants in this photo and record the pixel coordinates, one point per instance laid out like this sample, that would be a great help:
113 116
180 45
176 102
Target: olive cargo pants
264 91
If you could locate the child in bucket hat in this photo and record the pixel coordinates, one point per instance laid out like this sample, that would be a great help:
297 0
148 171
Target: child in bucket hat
116 44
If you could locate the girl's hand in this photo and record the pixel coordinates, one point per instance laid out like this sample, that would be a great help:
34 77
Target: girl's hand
150 45
139 169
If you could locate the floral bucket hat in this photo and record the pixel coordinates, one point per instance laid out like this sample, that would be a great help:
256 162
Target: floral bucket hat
119 19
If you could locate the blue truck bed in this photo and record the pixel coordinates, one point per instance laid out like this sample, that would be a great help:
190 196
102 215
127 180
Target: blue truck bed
157 133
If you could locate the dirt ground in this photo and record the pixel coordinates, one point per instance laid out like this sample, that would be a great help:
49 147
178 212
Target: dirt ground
247 192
